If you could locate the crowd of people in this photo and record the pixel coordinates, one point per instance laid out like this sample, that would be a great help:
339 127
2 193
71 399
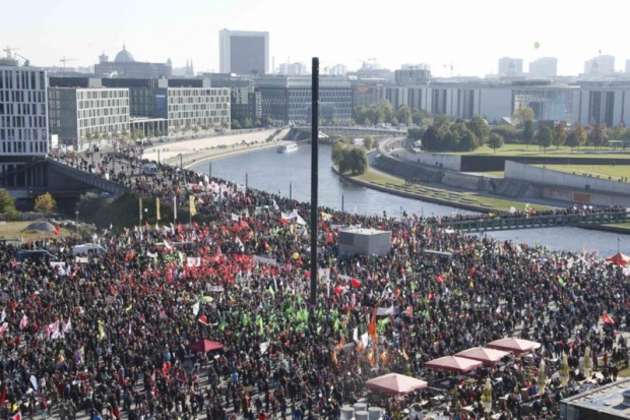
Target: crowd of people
116 333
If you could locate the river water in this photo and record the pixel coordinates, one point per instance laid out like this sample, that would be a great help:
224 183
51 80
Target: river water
287 174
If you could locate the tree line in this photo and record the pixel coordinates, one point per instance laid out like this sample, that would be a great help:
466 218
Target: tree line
384 112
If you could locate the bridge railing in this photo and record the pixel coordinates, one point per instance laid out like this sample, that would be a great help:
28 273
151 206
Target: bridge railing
548 220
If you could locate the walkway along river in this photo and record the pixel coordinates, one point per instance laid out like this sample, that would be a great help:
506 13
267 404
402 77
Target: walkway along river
288 174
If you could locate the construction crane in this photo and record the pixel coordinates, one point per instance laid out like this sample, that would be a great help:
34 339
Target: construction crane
64 60
12 52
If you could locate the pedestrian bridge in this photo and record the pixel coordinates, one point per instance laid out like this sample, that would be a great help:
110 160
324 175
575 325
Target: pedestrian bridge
515 222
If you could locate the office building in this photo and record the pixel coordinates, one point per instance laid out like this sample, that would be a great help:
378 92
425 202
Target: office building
604 103
366 92
411 75
545 67
627 67
510 67
292 69
372 70
244 52
24 134
245 102
337 70
600 66
124 65
88 116
288 98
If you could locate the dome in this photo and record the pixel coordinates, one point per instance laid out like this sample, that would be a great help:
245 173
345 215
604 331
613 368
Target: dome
124 56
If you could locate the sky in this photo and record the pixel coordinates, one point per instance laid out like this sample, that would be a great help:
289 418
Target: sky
467 34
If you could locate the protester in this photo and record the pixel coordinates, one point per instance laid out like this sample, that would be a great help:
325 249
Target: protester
115 333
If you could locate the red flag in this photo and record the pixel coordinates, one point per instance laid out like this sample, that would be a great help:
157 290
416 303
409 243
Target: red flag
355 283
607 319
57 230
17 416
439 278
203 320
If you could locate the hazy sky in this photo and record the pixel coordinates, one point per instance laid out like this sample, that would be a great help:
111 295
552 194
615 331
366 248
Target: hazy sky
471 35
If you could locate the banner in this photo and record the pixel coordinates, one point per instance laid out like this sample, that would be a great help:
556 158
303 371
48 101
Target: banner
157 209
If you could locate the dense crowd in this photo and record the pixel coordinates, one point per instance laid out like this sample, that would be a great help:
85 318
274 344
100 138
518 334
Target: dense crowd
116 332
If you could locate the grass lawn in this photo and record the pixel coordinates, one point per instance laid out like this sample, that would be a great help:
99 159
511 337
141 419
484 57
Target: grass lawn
14 230
455 197
604 171
535 151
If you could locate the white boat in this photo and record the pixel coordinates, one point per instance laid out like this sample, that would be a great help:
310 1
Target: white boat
288 148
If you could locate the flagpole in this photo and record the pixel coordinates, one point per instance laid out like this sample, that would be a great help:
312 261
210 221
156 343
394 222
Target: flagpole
314 179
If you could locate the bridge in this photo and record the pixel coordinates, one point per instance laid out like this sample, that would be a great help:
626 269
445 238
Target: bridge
509 222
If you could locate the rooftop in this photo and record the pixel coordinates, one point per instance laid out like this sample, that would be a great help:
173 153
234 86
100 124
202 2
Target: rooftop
607 399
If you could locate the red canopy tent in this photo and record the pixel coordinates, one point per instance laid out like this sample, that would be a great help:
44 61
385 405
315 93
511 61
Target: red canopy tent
514 345
453 363
619 259
204 346
395 384
483 354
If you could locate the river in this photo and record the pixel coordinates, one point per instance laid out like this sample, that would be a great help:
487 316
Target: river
287 174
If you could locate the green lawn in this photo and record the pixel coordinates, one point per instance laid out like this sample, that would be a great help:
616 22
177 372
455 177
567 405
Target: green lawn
448 196
535 151
603 171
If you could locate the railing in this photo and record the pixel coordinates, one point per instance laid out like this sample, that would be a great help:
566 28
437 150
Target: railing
542 221
87 178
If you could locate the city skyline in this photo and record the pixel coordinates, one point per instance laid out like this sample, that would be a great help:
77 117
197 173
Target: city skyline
471 40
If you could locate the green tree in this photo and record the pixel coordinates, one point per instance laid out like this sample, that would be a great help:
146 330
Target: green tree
418 117
528 132
7 205
358 159
45 203
236 125
387 111
337 152
495 141
559 134
247 123
597 136
480 128
369 142
522 115
403 115
544 136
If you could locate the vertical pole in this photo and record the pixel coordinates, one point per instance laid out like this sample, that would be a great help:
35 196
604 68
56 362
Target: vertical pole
314 179
343 202
246 181
290 190
210 169
158 156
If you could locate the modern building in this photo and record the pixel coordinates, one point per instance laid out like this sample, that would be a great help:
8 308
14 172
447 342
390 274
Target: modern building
288 98
337 70
600 66
183 104
411 75
366 92
86 114
292 69
124 65
244 52
372 70
545 67
510 67
604 103
24 135
245 101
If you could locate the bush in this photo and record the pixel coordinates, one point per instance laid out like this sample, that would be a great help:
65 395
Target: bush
45 203
7 206
349 158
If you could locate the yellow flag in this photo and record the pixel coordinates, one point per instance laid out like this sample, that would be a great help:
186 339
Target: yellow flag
101 330
191 204
157 209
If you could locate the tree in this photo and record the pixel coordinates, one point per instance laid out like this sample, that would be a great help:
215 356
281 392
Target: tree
495 141
236 125
480 128
387 111
467 140
559 134
597 136
403 115
528 132
577 137
7 205
522 115
544 136
369 142
247 123
418 117
45 203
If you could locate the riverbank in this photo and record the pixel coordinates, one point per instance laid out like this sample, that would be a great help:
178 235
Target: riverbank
390 184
